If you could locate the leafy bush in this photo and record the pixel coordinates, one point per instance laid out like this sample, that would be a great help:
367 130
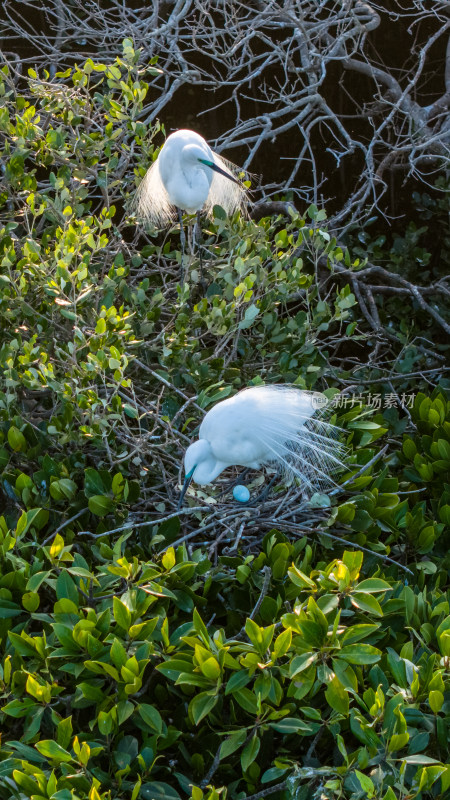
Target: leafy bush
271 658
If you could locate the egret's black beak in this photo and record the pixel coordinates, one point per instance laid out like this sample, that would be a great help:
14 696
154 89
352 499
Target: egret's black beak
220 170
187 483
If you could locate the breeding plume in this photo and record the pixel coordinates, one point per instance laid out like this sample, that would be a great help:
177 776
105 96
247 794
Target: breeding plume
189 176
267 425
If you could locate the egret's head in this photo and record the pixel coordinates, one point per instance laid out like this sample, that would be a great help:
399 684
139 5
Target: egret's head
195 154
200 465
199 462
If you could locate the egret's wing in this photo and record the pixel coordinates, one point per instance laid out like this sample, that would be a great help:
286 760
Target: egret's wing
223 192
152 201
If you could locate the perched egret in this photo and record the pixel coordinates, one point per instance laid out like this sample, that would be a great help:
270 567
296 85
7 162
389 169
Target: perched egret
187 176
266 425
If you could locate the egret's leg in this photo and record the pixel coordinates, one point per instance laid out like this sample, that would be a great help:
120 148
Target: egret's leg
197 236
183 243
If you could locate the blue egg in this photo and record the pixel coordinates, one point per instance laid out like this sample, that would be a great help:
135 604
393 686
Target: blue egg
241 493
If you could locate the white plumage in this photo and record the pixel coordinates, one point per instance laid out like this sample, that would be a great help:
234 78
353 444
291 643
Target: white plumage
267 425
187 175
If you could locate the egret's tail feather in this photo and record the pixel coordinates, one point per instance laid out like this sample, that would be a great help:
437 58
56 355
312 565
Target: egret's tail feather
314 459
302 441
229 195
152 201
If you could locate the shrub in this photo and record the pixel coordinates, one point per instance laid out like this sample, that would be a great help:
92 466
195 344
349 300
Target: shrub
293 652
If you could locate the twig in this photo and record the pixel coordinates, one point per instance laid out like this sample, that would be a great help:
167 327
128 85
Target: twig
313 745
213 767
238 537
361 471
279 787
63 525
267 572
143 524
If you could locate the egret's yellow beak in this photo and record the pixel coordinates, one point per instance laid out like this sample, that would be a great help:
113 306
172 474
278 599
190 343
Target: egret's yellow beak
186 485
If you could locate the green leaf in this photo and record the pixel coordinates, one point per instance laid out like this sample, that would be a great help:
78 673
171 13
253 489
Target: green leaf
337 696
20 708
233 742
121 613
289 725
36 580
250 752
130 411
30 601
210 668
102 668
357 632
247 700
300 663
273 774
371 585
158 791
174 667
420 759
26 783
363 732
201 705
151 716
100 505
359 654
93 483
282 643
237 681
200 626
63 489
366 784
249 316
64 732
40 692
436 700
21 644
362 520
35 517
366 602
9 610
66 587
16 440
118 653
52 750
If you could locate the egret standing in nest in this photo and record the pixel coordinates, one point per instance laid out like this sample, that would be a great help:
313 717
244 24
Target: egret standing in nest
266 425
187 176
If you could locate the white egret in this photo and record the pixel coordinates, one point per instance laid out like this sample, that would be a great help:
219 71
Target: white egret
187 176
266 425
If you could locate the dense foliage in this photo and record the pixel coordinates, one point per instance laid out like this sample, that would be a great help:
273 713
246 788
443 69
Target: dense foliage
295 647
